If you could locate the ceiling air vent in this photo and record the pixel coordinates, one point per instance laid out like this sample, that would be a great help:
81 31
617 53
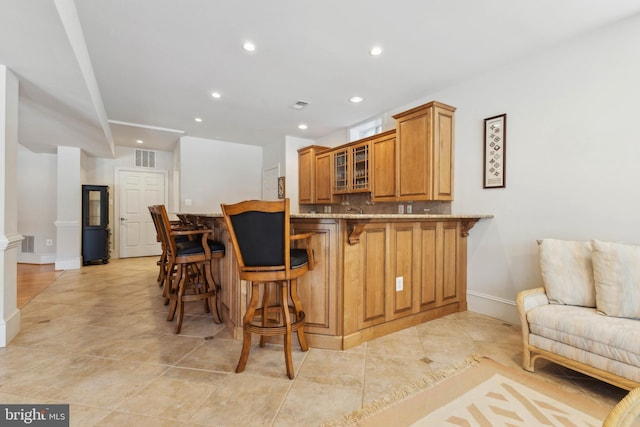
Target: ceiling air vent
145 158
299 105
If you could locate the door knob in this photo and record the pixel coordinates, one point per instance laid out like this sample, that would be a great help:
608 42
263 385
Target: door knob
123 219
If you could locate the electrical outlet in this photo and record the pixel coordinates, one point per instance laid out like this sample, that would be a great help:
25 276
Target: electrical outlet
399 284
49 242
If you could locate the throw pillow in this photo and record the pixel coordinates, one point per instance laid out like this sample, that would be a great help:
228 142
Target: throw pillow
567 272
616 271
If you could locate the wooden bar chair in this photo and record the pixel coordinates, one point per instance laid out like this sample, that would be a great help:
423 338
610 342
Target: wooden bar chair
261 239
162 262
190 267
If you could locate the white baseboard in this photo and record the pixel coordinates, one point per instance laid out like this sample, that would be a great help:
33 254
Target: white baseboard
9 328
68 264
490 305
28 258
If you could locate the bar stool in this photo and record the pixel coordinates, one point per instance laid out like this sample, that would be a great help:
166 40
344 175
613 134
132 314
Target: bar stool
162 262
261 239
190 265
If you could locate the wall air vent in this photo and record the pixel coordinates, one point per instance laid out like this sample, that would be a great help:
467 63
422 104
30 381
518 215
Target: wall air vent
28 245
299 105
145 158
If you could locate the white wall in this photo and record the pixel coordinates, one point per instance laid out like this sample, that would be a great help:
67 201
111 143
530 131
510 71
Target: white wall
214 172
37 193
573 146
36 182
292 145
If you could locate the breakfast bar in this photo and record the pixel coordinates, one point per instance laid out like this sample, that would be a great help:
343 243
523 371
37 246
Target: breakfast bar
374 273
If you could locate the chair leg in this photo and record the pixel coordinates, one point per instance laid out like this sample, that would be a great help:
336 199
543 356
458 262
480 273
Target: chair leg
169 274
246 335
180 303
284 304
172 283
163 265
265 312
299 312
211 286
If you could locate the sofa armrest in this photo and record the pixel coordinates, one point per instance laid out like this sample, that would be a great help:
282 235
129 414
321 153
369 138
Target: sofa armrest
526 301
531 298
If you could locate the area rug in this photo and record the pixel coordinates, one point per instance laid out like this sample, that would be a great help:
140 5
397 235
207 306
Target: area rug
480 392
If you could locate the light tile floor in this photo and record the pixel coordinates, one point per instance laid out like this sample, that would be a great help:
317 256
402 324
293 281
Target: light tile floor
98 339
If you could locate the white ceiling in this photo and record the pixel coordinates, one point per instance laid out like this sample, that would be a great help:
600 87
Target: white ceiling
87 66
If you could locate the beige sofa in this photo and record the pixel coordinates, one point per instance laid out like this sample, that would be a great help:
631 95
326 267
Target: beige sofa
587 315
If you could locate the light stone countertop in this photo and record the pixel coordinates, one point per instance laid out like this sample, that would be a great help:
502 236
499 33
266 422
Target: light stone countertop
368 216
387 216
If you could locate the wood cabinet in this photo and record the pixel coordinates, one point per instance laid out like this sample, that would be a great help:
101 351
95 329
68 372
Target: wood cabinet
413 162
324 193
404 271
318 288
439 263
353 293
307 173
351 168
383 170
425 144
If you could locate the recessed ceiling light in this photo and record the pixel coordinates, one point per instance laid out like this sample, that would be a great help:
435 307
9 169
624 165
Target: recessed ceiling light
375 51
198 119
303 126
216 95
139 141
249 46
356 99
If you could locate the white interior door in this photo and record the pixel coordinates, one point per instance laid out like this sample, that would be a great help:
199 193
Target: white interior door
270 183
138 191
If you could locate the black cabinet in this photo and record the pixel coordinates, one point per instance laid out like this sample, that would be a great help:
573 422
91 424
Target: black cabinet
95 224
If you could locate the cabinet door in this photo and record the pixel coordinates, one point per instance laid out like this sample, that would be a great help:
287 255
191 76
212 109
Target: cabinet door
323 178
318 288
373 275
439 263
415 156
443 154
360 170
401 285
384 168
341 171
306 175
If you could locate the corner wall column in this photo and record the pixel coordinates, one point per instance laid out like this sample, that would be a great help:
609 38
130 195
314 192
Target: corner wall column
69 202
9 236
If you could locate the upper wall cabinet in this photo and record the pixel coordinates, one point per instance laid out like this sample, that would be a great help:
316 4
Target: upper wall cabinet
412 162
383 170
351 171
307 173
324 193
424 148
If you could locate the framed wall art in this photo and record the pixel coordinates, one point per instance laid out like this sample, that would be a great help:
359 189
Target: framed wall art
281 188
495 151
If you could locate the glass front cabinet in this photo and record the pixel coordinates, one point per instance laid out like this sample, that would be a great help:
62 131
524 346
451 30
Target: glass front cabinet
351 169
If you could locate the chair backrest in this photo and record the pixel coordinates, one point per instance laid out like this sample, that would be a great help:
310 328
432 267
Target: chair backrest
260 232
161 220
155 223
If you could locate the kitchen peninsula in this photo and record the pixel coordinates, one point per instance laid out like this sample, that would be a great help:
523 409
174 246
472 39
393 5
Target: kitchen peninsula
374 273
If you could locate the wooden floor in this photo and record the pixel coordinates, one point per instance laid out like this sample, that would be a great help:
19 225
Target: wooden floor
32 279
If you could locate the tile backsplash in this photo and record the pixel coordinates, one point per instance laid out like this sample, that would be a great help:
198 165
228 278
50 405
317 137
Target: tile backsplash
363 201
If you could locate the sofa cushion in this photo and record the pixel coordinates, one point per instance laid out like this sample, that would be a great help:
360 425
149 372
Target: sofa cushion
583 328
616 272
567 272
